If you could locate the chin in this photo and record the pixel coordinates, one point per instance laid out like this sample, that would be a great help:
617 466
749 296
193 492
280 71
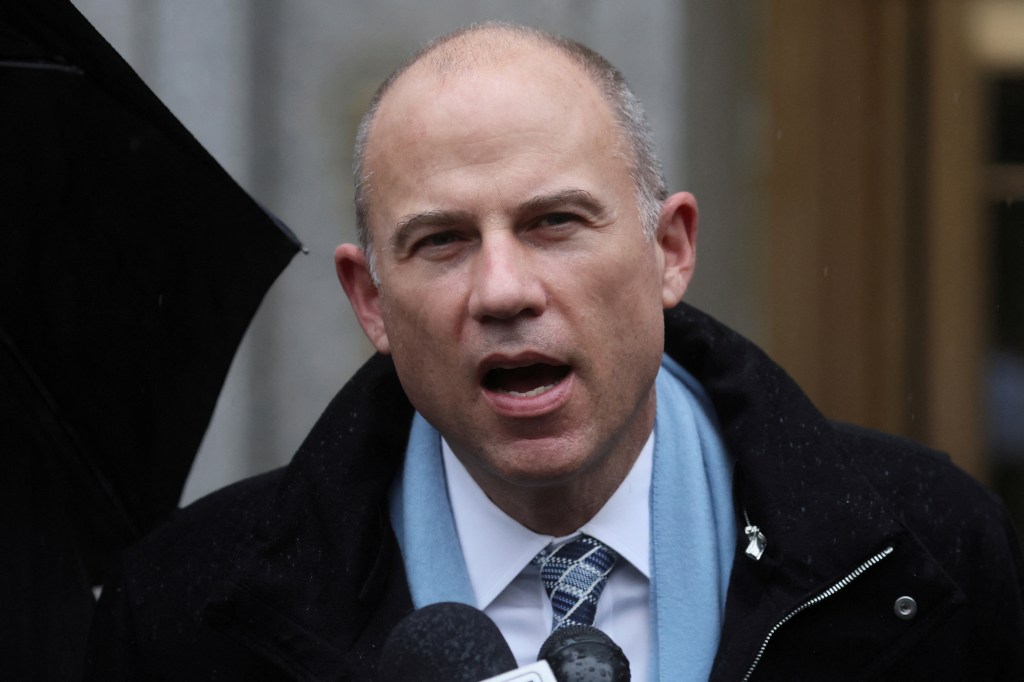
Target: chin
542 471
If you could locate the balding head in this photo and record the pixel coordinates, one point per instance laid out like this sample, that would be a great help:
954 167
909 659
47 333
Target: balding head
494 44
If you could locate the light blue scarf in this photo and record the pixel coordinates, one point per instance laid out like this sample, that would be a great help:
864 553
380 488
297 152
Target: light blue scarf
693 529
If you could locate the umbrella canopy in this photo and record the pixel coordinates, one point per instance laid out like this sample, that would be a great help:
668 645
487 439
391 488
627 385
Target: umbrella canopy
130 266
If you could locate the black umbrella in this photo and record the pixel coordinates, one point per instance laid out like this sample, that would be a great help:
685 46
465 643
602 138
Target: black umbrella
130 266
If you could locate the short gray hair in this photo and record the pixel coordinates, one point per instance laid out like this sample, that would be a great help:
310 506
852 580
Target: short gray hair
645 168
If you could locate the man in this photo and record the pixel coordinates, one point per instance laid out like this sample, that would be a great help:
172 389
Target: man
521 272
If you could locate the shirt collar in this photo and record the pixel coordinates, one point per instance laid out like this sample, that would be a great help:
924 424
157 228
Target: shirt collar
496 547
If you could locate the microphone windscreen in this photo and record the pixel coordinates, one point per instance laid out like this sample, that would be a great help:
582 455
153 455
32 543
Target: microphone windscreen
582 653
446 642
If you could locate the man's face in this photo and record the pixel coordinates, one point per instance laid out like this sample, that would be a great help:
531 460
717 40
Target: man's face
519 298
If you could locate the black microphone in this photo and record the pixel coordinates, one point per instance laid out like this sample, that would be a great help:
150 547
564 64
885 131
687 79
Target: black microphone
582 653
445 642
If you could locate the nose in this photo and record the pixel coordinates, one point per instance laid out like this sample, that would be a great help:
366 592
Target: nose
504 282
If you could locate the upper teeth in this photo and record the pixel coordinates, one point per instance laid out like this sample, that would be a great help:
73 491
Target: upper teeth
530 393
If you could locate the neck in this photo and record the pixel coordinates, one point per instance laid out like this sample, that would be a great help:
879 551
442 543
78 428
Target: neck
560 507
557 513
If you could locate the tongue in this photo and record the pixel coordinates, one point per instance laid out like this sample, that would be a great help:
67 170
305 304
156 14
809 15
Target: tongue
523 379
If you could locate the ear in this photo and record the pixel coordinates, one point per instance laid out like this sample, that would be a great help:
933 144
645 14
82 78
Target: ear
677 237
354 275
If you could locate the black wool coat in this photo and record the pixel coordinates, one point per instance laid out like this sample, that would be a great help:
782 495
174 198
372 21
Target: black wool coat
883 560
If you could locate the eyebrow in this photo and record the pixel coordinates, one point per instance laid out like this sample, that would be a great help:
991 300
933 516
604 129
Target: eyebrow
408 225
568 198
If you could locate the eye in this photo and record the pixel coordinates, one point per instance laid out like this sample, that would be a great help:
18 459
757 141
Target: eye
557 220
438 239
436 244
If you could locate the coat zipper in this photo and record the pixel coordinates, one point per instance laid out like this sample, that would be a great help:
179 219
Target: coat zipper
853 575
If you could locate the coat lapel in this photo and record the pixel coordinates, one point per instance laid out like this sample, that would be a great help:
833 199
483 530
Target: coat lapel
324 582
798 481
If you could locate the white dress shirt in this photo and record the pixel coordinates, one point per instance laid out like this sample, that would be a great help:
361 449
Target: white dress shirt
498 552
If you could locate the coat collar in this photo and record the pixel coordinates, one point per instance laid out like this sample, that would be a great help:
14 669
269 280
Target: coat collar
323 582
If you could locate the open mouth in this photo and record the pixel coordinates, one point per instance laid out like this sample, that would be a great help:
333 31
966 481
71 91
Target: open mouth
525 382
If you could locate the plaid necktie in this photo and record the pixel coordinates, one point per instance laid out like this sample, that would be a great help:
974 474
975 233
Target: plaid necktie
574 576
